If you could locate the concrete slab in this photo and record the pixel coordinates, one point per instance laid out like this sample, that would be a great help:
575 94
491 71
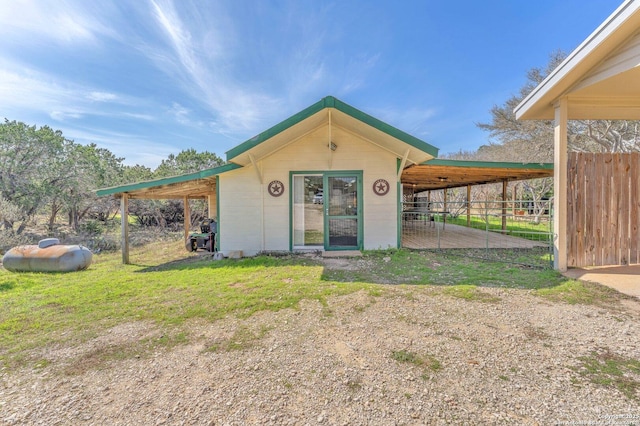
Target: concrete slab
342 253
625 279
419 234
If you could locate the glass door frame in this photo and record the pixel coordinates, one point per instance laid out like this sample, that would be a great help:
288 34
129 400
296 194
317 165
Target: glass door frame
357 216
293 208
325 193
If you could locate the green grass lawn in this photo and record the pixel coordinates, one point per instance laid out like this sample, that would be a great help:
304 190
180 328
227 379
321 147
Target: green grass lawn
168 287
516 227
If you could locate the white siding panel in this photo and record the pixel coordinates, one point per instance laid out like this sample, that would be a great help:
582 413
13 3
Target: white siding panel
252 220
312 154
276 213
240 212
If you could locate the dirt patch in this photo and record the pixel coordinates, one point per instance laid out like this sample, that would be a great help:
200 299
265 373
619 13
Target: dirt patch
411 356
339 264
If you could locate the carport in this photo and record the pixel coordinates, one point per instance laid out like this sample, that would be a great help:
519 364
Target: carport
193 186
600 79
442 175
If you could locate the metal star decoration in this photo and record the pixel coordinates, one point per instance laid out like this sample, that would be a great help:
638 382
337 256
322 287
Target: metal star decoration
381 187
275 188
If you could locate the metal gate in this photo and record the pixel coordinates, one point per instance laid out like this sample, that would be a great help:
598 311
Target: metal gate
508 231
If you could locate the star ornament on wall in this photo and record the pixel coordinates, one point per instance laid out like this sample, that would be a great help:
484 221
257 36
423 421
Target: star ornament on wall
275 188
381 187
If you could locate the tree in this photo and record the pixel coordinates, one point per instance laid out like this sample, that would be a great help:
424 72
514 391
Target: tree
32 167
187 161
135 173
517 140
93 168
9 213
43 172
532 140
40 168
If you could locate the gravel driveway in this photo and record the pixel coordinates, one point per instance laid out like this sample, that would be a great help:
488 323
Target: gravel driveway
409 355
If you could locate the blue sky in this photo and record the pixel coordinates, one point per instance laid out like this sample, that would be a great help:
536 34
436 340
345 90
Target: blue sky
147 78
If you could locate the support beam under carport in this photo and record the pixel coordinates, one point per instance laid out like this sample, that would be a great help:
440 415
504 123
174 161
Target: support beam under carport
504 204
560 156
211 207
469 206
187 218
124 226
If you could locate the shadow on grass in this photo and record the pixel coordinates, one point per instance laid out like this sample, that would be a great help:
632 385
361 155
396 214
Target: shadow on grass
7 286
446 268
419 267
206 262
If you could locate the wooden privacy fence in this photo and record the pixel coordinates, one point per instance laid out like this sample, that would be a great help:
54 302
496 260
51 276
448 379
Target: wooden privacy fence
603 200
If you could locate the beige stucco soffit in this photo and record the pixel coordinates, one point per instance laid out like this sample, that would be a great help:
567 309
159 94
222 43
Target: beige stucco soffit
603 108
611 90
381 139
281 139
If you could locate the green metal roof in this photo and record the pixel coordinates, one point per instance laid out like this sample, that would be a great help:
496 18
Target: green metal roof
488 164
331 102
166 181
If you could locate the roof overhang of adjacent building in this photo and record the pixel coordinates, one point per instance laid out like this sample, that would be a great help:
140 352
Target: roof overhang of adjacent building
192 185
330 111
441 174
600 79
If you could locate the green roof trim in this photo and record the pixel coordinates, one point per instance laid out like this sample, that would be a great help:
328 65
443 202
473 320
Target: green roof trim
385 128
332 102
166 181
278 128
488 164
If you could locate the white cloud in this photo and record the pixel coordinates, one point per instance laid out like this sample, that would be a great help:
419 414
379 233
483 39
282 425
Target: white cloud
58 21
102 96
23 89
245 79
64 115
134 149
228 74
180 113
198 56
145 117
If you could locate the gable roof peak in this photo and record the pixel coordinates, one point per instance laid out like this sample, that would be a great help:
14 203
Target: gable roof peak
312 117
329 101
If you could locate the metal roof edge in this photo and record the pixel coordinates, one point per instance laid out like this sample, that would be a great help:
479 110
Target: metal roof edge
386 128
332 102
166 181
488 164
278 128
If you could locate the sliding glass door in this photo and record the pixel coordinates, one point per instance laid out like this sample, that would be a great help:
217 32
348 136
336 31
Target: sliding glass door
342 213
327 211
308 212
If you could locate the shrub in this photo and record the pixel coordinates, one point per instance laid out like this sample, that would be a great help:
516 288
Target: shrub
9 239
92 227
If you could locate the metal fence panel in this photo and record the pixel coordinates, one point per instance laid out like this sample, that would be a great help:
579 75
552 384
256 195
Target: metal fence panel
510 231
